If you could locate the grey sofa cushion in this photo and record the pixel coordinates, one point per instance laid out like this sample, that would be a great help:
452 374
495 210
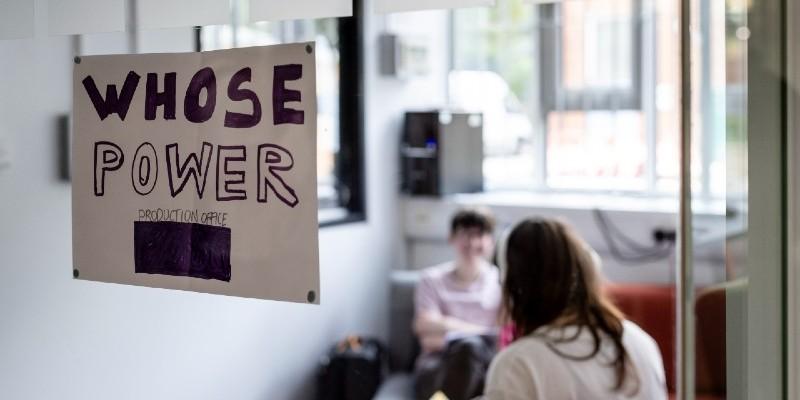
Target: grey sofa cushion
403 344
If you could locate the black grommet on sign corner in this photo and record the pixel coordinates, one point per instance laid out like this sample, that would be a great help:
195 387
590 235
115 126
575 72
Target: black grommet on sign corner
77 60
75 273
311 296
308 48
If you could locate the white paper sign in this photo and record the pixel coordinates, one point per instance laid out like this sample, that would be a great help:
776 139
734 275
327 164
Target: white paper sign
16 19
197 171
277 10
179 13
390 6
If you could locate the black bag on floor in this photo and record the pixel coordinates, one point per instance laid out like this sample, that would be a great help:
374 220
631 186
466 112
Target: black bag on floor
352 370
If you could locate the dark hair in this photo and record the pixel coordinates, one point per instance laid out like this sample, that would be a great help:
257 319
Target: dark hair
472 218
552 280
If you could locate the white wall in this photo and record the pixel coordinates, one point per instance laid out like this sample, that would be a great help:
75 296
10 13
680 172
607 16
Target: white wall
427 228
69 339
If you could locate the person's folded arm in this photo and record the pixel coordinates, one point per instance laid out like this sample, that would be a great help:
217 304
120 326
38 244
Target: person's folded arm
433 322
431 328
432 342
430 324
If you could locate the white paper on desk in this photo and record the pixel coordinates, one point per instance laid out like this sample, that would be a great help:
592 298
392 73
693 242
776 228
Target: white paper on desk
390 6
16 19
180 13
276 10
74 17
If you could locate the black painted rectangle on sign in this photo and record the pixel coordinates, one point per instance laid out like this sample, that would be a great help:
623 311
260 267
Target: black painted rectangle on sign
182 249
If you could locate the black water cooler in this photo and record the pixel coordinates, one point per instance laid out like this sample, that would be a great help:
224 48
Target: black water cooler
442 153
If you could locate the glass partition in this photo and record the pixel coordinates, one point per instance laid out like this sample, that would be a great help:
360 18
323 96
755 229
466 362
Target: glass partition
592 97
738 86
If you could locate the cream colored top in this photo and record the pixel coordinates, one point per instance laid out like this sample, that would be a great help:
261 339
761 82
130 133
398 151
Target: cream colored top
530 369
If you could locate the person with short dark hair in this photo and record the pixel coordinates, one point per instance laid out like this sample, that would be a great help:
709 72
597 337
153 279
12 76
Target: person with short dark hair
570 341
456 312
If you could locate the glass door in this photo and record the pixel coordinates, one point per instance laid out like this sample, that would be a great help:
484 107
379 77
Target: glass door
634 107
732 342
793 207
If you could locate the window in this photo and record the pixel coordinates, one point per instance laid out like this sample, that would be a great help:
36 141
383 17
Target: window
339 100
584 95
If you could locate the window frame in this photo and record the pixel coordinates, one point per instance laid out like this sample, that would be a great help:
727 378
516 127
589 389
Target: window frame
640 95
553 94
349 169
